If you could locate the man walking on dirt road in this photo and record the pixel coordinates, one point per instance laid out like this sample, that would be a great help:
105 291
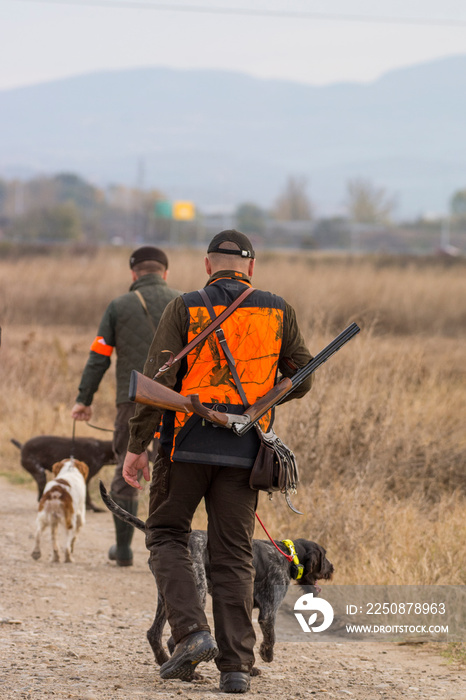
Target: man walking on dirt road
198 460
128 325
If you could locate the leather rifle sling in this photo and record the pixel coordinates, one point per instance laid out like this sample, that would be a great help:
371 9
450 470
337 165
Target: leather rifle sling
146 310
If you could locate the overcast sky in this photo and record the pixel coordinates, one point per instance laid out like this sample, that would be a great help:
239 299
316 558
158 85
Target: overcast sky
42 40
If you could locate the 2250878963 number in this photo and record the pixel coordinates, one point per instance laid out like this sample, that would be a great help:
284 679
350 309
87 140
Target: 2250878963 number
396 608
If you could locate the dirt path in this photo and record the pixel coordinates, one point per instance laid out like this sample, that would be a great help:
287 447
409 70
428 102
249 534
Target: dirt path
78 631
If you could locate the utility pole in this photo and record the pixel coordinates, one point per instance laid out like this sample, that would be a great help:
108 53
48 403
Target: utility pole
139 219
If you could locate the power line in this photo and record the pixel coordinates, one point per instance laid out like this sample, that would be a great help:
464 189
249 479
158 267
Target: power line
248 12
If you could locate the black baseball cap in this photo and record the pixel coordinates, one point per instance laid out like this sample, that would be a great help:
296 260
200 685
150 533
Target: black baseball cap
148 252
245 249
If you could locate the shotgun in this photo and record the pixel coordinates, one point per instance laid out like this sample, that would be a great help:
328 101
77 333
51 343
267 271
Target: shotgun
149 392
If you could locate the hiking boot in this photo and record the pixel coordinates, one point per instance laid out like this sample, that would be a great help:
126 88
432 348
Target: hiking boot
197 647
121 552
234 682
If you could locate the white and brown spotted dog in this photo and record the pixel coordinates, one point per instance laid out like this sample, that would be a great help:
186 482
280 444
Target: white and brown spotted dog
63 503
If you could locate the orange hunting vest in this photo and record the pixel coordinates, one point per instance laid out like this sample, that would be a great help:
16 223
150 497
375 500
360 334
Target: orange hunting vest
254 333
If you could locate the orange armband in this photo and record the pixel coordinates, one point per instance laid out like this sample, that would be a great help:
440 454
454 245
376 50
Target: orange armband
100 346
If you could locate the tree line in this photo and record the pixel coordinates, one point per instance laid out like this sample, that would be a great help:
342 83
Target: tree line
66 208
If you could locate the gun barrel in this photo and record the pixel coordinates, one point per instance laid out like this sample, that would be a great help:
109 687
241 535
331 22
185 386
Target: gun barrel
279 392
324 354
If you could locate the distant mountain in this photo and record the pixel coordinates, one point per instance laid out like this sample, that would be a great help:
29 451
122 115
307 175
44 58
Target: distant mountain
221 137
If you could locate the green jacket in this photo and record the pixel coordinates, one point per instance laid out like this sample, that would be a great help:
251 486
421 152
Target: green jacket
125 327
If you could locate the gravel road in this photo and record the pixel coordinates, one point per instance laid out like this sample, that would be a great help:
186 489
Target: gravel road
78 631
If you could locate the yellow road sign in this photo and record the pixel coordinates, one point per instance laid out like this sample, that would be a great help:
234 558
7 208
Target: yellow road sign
183 211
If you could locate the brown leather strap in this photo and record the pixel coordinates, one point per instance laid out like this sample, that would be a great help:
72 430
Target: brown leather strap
203 334
146 310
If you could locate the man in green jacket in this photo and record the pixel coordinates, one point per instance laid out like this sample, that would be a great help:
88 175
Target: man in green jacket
128 325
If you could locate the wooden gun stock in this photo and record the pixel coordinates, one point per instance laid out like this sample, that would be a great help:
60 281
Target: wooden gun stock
147 391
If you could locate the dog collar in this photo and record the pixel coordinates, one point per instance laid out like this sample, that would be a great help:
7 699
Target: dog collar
297 569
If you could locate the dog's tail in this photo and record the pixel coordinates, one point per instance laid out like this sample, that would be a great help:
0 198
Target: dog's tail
16 443
119 511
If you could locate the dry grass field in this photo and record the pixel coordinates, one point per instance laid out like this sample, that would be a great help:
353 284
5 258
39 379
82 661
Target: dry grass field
380 439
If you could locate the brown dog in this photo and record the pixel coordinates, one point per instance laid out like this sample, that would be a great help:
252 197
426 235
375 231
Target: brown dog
39 454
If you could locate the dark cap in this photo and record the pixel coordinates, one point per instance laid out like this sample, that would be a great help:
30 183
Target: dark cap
245 249
148 252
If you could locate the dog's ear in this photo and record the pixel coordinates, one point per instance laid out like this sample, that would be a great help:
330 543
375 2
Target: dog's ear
316 563
313 559
83 468
57 467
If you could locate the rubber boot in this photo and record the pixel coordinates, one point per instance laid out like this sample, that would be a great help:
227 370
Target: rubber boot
121 552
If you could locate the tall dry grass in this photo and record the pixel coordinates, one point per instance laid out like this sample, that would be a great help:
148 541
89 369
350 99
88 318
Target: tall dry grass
380 439
413 297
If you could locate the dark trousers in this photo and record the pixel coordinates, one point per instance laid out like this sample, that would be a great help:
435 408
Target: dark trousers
119 487
176 490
